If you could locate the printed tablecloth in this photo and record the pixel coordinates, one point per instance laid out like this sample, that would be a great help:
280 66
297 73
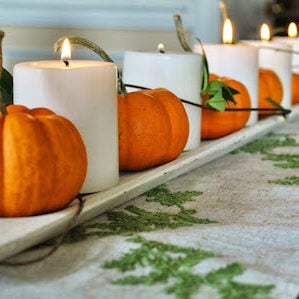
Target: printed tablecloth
226 230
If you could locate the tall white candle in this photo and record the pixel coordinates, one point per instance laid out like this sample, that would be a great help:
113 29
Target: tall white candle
85 92
239 62
181 73
293 43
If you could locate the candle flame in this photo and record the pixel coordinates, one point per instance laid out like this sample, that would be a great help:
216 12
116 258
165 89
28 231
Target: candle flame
161 48
227 33
66 50
292 30
265 32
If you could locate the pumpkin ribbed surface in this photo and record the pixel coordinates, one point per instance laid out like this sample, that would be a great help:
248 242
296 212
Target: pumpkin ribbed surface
43 162
178 119
217 124
295 88
153 128
269 86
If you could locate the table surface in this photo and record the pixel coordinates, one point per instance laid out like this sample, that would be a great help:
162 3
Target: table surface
228 229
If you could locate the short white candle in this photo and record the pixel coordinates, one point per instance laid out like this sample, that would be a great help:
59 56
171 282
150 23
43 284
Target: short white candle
239 62
181 73
85 92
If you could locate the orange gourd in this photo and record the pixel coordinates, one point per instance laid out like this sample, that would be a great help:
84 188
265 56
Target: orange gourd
269 86
43 161
215 124
153 128
295 88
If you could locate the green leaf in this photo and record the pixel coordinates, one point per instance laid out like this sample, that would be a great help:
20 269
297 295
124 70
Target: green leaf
214 87
218 91
228 93
216 101
274 103
6 87
220 94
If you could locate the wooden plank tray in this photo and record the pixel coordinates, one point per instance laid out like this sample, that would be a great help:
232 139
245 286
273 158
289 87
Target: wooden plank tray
17 234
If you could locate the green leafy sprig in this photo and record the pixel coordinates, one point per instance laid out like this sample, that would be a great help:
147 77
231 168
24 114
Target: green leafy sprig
219 93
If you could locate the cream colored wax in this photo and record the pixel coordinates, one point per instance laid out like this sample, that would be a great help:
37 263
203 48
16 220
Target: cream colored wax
181 73
85 92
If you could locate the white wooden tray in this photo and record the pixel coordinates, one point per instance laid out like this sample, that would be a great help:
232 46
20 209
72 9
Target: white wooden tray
17 234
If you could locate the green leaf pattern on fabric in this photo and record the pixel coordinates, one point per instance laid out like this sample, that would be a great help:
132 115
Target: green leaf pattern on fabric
292 180
134 220
173 266
267 144
266 147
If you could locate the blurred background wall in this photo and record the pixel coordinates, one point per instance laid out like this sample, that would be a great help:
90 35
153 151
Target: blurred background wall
32 26
248 15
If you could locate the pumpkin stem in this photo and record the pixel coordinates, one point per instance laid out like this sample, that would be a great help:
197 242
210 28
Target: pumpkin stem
2 107
95 48
221 92
184 44
181 33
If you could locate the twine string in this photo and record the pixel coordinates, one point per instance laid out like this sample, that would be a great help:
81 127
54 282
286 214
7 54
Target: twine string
279 111
57 244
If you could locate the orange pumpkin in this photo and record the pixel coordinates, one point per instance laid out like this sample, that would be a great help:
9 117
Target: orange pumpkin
269 86
215 124
153 128
43 162
295 88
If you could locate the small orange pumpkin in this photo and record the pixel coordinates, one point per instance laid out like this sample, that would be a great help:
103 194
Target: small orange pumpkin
43 162
215 124
153 128
269 86
295 88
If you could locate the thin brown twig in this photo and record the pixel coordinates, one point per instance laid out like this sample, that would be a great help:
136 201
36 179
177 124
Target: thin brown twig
180 32
280 111
95 48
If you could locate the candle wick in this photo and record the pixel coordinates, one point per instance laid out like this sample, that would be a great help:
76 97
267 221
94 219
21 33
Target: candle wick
66 62
161 48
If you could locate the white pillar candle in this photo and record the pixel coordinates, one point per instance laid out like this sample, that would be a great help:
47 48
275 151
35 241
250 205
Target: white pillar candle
239 62
181 73
278 61
85 92
293 42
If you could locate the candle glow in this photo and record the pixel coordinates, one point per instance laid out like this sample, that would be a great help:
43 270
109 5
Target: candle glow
265 32
292 30
161 48
227 33
66 52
